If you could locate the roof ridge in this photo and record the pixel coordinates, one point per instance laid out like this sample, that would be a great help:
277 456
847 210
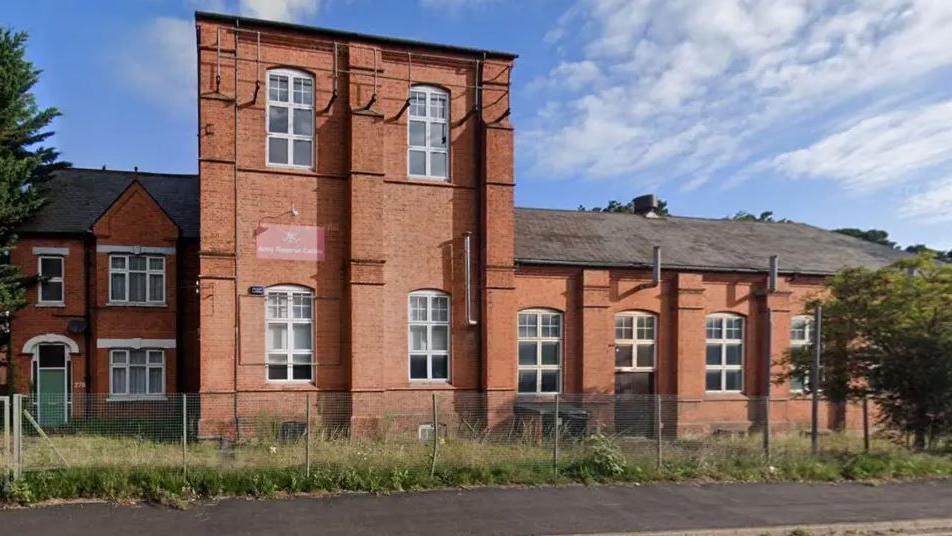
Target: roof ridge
132 172
668 217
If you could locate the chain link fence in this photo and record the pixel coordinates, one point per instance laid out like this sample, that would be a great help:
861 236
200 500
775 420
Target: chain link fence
408 429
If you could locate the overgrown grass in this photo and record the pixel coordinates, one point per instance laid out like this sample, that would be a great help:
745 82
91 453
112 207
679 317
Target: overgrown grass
127 468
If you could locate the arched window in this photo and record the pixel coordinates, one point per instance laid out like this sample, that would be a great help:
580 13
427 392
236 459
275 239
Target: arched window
725 353
289 320
635 334
428 133
540 351
801 337
429 335
290 119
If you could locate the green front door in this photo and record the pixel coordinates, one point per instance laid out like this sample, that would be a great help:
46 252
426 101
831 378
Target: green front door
51 386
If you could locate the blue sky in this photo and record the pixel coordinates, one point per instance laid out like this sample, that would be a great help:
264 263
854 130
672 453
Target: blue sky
830 112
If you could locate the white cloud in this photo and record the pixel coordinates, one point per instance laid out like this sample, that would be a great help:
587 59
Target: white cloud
160 66
934 205
281 10
690 90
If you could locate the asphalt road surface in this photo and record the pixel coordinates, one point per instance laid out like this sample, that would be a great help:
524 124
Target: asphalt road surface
566 510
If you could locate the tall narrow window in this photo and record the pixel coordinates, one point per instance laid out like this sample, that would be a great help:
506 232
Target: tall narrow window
725 353
540 351
801 338
51 280
428 133
290 119
290 328
429 337
635 341
136 279
137 372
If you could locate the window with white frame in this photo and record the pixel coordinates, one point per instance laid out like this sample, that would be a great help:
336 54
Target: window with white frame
137 279
428 133
429 336
801 337
290 329
635 341
51 279
725 353
540 351
290 119
136 372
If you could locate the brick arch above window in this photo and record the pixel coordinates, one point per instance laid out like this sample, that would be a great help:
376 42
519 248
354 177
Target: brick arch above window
50 338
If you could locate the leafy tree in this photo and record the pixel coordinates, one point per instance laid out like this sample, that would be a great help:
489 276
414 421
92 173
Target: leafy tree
887 335
627 208
24 162
876 236
767 216
945 256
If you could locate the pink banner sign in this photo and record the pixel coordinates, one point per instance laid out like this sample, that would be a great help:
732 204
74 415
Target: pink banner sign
290 242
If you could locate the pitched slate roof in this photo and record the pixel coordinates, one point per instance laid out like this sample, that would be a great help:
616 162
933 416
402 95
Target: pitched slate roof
545 236
77 197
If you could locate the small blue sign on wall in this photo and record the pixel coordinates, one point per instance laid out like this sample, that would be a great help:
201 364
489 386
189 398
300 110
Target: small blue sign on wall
256 291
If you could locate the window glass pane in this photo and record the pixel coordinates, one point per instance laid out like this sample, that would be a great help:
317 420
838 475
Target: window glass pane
645 355
50 267
156 263
303 91
417 367
137 380
417 162
440 336
438 135
418 338
646 328
52 356
278 306
119 380
137 287
527 325
797 382
117 262
713 354
155 358
156 381
734 328
137 357
277 337
417 133
623 327
441 309
302 152
438 164
51 291
713 328
732 377
418 104
417 308
438 106
118 358
550 353
551 325
277 372
303 122
712 380
527 381
441 367
118 289
623 355
550 381
278 359
302 336
301 372
277 150
733 354
278 88
301 306
156 290
137 263
527 353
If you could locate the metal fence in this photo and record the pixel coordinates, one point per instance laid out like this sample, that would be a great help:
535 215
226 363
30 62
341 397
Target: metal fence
404 429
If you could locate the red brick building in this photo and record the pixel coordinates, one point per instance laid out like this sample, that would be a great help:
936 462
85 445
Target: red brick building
352 229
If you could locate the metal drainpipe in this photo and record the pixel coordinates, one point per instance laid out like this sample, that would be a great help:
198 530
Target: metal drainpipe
481 222
235 242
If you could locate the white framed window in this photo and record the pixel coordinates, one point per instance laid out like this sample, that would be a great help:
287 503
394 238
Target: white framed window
635 335
429 335
801 336
136 372
137 279
50 270
724 353
428 135
540 351
290 121
289 319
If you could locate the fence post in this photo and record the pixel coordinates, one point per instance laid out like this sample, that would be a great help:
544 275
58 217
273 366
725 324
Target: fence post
865 424
658 427
555 443
767 358
815 378
184 434
17 422
307 435
7 453
436 438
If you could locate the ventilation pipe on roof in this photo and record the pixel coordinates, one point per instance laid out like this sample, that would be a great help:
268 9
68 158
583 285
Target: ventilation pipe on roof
646 205
774 273
656 267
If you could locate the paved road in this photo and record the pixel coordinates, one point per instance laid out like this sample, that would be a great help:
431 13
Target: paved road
506 511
